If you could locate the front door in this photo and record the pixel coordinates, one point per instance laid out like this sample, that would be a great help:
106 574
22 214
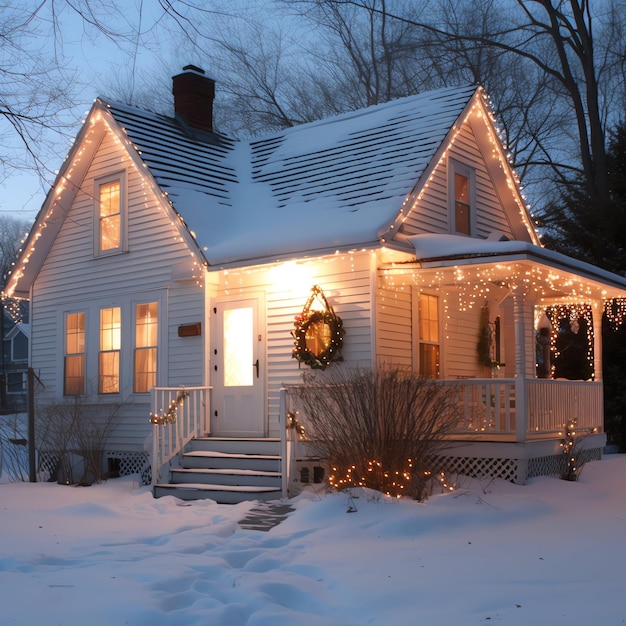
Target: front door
238 369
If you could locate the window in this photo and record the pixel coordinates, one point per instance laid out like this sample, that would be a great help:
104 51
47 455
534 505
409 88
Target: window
461 204
74 375
462 185
16 382
110 346
429 336
146 342
110 220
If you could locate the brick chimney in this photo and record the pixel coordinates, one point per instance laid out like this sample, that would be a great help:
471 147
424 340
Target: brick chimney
193 98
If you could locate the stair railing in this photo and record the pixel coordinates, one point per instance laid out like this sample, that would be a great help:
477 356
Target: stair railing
288 438
178 414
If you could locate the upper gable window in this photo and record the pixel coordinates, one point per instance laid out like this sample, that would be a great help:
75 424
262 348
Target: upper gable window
110 215
462 198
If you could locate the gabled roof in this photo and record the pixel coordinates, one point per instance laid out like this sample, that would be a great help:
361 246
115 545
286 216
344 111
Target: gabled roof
333 184
336 184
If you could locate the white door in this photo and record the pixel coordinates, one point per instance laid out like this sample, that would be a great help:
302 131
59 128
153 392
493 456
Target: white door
238 370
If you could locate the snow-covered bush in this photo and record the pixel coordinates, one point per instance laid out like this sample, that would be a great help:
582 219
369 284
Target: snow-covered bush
380 429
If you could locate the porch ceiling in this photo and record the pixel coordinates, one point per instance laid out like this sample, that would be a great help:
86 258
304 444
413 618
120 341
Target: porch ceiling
479 267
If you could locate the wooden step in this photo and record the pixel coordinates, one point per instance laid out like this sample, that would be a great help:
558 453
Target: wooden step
227 470
235 477
222 494
224 460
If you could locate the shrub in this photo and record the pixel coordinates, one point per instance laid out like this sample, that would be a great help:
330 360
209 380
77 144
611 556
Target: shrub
13 447
379 428
75 435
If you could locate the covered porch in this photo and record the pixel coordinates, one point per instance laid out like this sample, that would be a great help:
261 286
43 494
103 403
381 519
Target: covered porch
505 310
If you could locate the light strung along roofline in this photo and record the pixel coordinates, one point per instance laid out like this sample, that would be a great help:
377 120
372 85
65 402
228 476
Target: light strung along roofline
478 104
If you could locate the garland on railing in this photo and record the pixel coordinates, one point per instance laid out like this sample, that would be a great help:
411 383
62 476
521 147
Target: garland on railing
169 417
294 424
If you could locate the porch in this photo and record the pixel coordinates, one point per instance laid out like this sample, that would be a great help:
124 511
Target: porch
507 428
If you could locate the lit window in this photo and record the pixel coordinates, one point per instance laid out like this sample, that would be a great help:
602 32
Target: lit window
74 374
146 343
110 346
429 336
461 198
461 204
110 216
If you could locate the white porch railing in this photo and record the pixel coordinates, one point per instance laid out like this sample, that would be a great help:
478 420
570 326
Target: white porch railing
178 415
485 406
488 406
288 439
553 403
491 408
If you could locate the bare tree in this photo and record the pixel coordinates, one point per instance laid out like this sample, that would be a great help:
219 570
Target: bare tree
578 49
12 233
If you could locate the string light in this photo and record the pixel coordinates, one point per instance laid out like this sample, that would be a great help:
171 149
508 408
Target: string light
482 109
169 416
373 474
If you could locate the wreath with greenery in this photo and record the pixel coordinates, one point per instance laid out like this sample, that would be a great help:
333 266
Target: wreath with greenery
308 319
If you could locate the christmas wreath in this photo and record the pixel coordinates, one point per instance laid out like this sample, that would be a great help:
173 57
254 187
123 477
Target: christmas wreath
317 327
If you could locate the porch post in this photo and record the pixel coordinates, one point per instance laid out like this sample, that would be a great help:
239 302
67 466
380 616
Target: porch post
521 404
597 310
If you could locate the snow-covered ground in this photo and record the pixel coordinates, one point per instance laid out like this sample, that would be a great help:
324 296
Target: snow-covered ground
551 552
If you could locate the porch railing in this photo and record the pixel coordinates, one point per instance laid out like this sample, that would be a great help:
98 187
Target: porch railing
491 408
178 414
485 406
553 403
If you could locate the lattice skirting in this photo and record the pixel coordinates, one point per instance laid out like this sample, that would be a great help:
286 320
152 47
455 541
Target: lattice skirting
126 463
133 463
47 463
555 464
477 467
513 470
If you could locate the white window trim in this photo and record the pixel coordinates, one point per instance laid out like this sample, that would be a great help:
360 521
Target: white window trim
456 167
161 299
415 321
98 182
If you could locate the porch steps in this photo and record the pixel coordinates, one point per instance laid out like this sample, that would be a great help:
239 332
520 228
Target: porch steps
227 470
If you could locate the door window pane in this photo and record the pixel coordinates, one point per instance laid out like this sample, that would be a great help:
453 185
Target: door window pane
238 347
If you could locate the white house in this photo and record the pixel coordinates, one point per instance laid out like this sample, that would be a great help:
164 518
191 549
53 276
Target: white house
168 264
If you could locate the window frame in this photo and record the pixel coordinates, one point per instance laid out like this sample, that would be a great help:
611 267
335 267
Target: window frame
23 382
418 342
115 330
454 168
74 355
138 349
99 183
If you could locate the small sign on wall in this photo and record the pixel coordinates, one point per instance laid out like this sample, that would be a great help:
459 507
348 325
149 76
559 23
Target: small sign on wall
190 330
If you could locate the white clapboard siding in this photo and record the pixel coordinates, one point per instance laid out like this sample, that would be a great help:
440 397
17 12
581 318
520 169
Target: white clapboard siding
72 279
394 328
431 213
345 280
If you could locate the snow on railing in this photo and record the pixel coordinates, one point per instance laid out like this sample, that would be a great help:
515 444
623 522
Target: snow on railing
178 415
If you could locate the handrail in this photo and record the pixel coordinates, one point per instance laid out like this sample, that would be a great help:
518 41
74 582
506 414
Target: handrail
178 414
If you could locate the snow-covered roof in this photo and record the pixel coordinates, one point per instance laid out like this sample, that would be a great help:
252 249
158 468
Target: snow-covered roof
331 184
